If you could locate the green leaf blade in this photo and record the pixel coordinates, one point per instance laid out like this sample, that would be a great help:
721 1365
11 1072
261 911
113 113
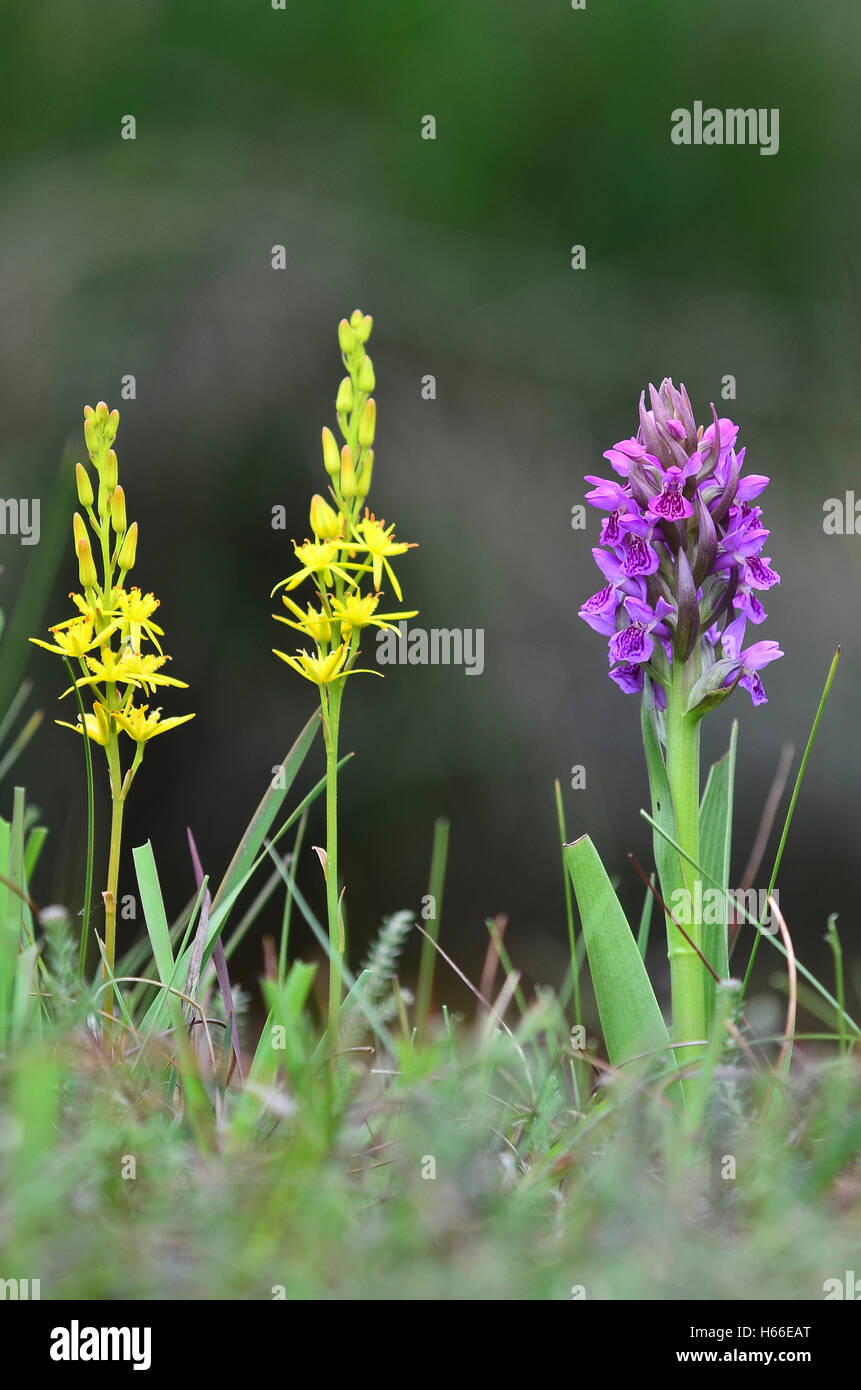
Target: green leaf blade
629 1012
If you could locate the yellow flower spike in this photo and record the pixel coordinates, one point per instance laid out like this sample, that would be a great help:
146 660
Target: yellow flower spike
111 470
367 379
141 727
96 725
368 423
331 458
349 482
325 523
118 510
322 670
314 622
375 538
343 400
128 549
320 559
85 487
360 610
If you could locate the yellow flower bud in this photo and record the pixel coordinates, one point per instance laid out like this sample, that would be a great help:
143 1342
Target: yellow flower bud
344 400
101 411
368 423
367 380
86 564
346 338
349 483
111 470
324 521
356 318
85 487
88 412
113 424
91 435
365 475
128 549
363 333
331 462
118 510
103 724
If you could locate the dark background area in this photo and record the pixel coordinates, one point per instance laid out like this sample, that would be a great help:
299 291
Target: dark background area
303 127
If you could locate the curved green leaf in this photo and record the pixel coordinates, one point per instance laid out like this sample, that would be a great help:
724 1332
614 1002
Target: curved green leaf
630 1016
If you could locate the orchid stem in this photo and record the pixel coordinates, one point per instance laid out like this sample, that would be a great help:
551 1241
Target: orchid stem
683 770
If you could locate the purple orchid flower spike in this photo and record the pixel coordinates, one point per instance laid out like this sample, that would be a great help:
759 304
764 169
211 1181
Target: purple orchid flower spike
681 555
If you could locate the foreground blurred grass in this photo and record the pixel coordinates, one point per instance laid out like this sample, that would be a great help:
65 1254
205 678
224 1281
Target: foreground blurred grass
529 1198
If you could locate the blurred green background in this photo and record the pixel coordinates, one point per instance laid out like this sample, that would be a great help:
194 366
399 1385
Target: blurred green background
303 127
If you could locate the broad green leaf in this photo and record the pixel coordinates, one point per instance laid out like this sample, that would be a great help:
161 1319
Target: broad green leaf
630 1016
715 844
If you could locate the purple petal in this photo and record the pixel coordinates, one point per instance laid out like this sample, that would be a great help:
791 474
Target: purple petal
628 678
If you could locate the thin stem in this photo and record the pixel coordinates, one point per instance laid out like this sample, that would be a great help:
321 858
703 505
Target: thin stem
91 826
110 896
683 770
332 719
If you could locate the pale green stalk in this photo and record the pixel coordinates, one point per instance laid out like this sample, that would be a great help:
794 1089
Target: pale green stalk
683 771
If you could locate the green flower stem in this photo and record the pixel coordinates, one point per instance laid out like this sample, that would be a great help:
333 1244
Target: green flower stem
332 717
683 770
118 797
91 827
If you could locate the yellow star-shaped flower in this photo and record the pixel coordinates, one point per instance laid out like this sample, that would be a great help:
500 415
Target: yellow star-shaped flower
73 639
136 610
317 558
141 727
360 610
376 539
313 622
96 725
324 667
127 668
